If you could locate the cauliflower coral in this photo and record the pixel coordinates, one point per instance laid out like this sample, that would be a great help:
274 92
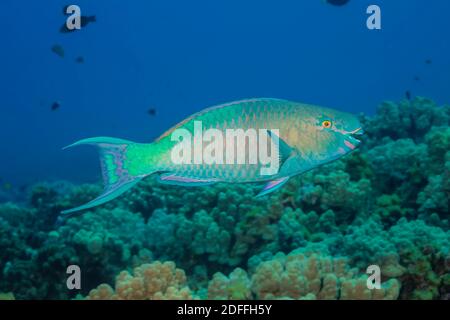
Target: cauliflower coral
155 281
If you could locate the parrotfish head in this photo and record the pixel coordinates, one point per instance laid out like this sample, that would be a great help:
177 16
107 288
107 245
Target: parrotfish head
335 134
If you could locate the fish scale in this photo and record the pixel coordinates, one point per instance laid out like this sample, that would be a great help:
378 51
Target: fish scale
254 114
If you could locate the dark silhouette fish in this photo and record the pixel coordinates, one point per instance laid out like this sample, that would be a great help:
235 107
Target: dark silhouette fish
428 61
337 2
79 59
84 21
58 50
408 95
151 111
55 106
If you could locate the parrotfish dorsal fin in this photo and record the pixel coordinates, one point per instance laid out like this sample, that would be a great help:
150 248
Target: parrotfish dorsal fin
220 106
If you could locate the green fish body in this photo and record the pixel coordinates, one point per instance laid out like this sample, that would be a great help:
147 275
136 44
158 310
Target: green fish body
306 136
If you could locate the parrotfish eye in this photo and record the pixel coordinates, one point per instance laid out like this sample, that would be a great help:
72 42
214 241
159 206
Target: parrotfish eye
326 124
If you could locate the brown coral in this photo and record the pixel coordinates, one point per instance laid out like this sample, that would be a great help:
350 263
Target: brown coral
298 276
234 287
155 281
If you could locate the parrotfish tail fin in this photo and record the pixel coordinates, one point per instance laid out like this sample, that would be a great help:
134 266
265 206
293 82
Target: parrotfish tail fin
113 160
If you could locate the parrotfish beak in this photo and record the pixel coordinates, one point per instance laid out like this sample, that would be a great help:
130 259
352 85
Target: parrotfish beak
357 132
350 140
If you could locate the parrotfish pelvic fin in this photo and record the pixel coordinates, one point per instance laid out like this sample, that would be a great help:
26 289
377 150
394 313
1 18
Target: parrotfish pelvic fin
172 179
113 160
273 185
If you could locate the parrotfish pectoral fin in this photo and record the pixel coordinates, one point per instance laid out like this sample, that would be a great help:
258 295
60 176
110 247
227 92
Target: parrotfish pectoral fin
272 186
284 150
114 163
172 179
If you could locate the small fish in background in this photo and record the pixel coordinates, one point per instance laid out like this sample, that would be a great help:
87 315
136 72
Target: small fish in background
58 50
416 78
428 61
408 95
152 112
55 106
84 21
337 2
79 59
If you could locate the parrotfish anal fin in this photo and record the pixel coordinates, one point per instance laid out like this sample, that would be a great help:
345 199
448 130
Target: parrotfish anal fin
114 162
273 185
285 151
172 179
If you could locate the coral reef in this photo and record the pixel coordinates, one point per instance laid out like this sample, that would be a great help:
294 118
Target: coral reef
297 276
292 276
385 204
155 281
7 296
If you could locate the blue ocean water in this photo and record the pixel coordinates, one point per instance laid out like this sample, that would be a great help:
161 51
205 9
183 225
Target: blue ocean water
182 56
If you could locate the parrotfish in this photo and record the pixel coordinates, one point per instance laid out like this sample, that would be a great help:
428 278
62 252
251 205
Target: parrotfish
307 136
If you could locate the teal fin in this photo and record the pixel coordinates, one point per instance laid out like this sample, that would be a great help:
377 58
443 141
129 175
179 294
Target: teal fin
106 196
172 179
285 151
98 141
273 185
113 160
